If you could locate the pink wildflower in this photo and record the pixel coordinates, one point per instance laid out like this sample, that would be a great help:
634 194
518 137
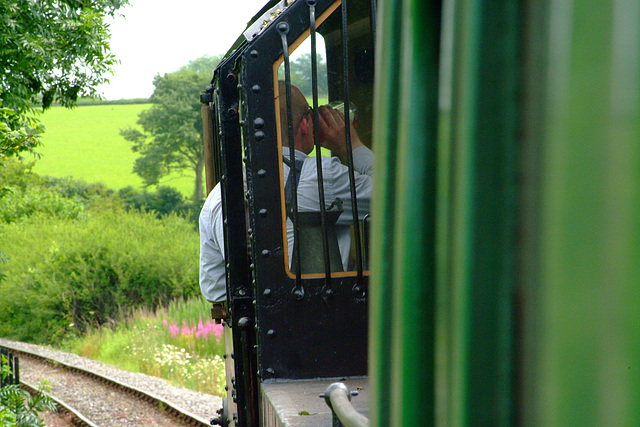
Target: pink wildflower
174 330
164 322
202 331
217 330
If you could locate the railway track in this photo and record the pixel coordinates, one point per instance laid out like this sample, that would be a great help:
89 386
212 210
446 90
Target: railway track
88 398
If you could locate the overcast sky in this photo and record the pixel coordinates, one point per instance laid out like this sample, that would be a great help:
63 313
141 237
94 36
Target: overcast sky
160 36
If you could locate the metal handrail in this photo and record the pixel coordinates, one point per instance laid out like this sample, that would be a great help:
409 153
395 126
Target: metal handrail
338 397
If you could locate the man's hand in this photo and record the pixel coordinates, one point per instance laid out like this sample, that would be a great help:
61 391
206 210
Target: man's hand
331 131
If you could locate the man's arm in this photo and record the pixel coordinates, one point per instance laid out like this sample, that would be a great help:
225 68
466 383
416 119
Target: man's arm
212 270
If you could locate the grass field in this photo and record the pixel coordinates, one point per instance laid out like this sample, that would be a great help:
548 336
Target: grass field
85 143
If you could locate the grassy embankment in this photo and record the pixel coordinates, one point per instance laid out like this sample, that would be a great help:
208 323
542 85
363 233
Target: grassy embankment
175 342
85 143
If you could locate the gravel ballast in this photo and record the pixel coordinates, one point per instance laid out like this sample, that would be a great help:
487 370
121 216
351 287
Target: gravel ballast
200 404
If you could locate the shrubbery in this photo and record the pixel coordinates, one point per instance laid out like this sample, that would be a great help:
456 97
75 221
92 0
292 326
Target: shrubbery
163 201
17 205
77 258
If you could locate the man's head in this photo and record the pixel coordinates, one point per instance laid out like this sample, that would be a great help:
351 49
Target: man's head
302 119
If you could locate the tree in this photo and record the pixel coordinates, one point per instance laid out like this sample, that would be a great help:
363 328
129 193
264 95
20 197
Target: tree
171 139
49 51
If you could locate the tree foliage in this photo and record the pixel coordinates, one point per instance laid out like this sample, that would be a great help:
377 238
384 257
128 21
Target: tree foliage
301 74
171 139
49 51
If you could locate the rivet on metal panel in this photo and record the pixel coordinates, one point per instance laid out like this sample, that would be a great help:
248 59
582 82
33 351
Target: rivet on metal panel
262 173
266 253
242 291
283 28
271 333
298 293
263 213
244 323
258 122
271 371
266 293
231 77
255 88
254 53
328 292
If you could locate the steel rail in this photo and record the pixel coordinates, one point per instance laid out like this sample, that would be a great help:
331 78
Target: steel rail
77 419
179 414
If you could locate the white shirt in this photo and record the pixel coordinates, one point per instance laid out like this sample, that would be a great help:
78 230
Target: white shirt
335 178
213 281
336 185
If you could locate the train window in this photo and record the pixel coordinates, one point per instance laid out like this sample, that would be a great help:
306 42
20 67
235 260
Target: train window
325 187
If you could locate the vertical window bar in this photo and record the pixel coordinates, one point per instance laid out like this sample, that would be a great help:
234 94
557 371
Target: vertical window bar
347 126
283 28
374 12
316 119
217 135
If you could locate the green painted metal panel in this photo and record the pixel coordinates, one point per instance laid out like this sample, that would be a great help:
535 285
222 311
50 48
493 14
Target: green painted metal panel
403 262
387 77
414 255
584 368
476 231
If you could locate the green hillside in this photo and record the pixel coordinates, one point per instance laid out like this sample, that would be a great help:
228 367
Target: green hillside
85 143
